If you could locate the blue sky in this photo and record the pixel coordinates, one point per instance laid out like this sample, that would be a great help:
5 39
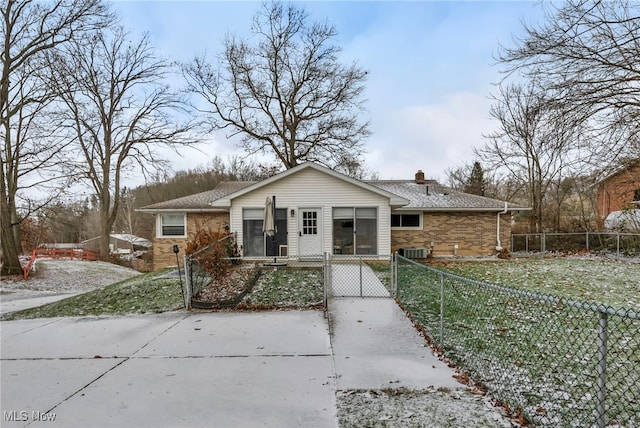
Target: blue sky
430 66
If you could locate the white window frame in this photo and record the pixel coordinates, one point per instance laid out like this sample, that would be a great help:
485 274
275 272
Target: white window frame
418 213
159 223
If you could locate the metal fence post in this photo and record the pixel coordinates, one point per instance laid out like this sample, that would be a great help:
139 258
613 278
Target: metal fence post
587 240
328 277
325 278
543 243
441 310
360 276
187 283
617 245
394 274
601 420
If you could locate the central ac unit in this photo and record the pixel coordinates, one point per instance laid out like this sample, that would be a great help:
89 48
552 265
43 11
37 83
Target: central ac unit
415 253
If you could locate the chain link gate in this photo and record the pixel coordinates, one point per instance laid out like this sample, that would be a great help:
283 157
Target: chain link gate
358 276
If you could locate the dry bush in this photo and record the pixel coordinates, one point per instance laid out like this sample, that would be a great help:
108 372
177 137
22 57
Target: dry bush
213 252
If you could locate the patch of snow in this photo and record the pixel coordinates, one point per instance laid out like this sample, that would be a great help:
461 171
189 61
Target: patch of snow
623 221
61 276
418 408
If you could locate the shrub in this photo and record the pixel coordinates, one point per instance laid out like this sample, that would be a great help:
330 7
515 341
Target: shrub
213 252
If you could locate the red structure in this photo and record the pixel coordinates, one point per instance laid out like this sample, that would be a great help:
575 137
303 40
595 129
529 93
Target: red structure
619 191
55 253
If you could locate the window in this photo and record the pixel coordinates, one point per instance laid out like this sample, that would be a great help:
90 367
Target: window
255 243
406 221
355 230
173 224
309 222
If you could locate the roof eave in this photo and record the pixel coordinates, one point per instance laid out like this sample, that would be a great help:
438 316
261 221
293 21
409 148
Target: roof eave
463 209
173 210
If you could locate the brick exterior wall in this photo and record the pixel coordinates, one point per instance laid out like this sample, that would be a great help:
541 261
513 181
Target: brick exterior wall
617 192
163 255
475 234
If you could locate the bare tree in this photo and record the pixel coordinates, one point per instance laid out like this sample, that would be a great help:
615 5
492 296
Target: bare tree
120 109
533 143
588 53
29 30
496 185
287 94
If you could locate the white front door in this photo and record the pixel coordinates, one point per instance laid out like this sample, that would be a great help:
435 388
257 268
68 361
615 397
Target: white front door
310 232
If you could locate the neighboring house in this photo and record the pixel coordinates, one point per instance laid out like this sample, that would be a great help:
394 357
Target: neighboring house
619 191
119 243
321 211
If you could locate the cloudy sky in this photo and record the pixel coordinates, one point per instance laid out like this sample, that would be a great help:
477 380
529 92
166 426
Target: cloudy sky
430 66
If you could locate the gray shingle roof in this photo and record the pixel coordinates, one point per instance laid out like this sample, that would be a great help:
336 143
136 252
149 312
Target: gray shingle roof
202 200
433 196
430 196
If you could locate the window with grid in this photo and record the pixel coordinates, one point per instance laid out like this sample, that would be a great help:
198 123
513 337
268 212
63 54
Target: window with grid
310 222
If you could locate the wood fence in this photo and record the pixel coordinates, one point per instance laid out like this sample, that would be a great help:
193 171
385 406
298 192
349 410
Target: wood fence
55 253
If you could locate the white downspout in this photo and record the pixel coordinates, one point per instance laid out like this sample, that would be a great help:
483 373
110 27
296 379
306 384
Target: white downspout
499 246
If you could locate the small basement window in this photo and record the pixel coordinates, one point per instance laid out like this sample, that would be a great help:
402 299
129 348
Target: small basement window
406 221
172 225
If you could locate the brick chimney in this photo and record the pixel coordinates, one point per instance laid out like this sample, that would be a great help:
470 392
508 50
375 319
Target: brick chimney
420 177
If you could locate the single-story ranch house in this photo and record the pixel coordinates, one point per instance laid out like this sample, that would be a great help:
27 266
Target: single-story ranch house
318 210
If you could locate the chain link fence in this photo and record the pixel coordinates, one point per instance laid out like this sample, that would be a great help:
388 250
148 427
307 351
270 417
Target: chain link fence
618 244
209 264
357 276
342 276
557 362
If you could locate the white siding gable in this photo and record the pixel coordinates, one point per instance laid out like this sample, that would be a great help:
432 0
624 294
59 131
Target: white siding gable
311 188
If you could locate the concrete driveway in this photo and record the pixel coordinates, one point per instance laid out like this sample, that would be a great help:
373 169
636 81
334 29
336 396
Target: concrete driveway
171 370
224 369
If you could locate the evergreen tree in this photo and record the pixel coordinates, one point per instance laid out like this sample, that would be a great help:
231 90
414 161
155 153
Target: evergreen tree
475 182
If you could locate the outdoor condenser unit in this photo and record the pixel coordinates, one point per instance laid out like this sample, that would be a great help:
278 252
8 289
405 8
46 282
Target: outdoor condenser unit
415 253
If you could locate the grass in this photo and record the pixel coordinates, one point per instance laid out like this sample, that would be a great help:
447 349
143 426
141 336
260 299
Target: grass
610 282
150 293
286 288
382 271
146 293
536 356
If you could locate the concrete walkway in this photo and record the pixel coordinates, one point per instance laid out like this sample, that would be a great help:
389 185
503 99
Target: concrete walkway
356 280
18 301
375 346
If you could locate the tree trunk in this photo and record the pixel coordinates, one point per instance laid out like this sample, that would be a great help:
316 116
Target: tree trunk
105 227
10 261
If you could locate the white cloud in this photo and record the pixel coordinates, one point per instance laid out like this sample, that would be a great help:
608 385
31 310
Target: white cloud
431 137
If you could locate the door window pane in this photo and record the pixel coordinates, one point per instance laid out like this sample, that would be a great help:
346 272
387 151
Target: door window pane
309 222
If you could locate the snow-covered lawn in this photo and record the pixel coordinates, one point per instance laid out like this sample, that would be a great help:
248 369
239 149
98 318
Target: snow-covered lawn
611 282
536 355
400 408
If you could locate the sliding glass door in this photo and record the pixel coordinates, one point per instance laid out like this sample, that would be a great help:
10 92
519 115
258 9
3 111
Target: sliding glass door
254 241
355 230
